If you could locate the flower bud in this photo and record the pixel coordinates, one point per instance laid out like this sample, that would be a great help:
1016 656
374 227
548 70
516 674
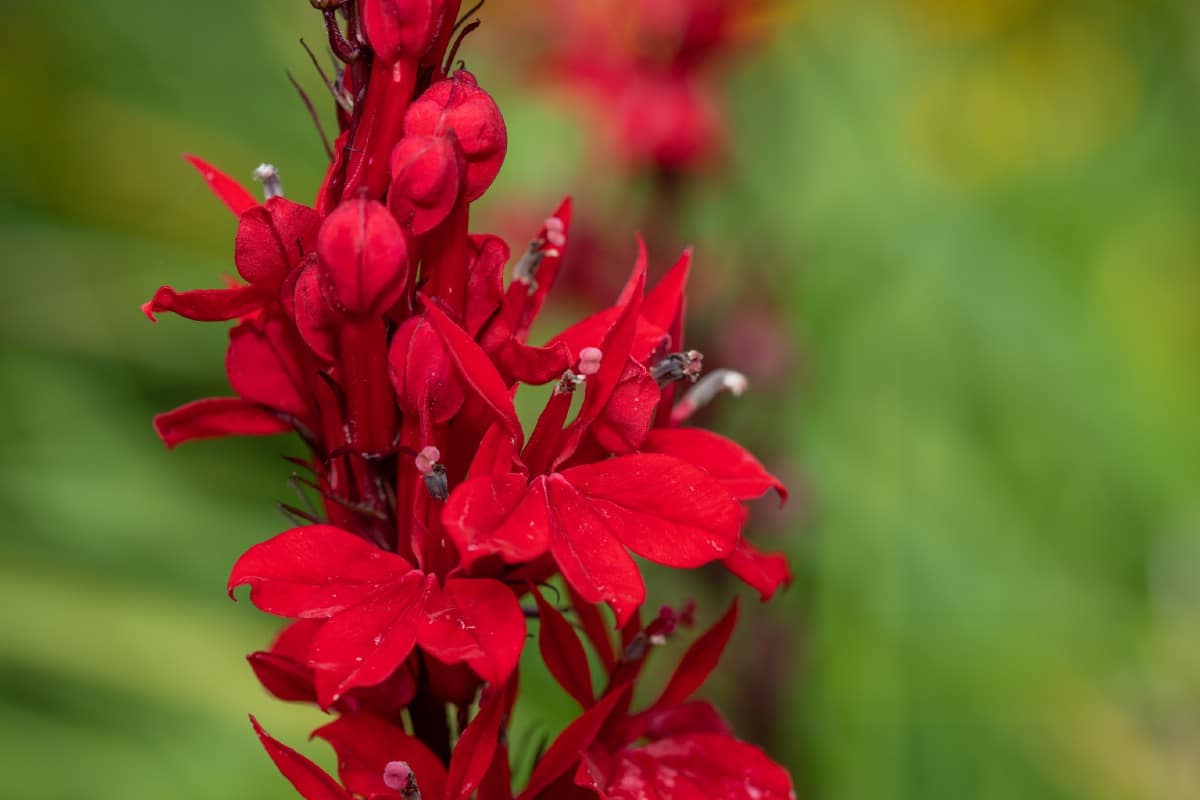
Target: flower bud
458 104
398 28
427 178
364 258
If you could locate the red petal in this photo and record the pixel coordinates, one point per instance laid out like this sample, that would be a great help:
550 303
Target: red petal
314 571
316 321
701 766
474 750
478 621
283 670
663 306
485 281
477 370
230 192
271 239
616 349
425 380
207 305
739 472
365 744
494 456
427 178
662 508
765 572
364 644
563 652
458 104
589 555
699 660
264 365
398 28
364 257
697 716
217 416
623 425
571 744
312 782
522 305
595 628
496 514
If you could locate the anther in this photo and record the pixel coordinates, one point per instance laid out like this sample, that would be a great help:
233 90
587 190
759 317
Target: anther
703 393
434 474
268 176
398 775
568 382
555 232
677 366
589 360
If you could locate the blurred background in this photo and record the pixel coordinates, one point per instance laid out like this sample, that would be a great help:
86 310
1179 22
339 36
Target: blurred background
955 244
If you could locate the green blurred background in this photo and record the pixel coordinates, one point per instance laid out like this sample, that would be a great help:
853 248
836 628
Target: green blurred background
977 221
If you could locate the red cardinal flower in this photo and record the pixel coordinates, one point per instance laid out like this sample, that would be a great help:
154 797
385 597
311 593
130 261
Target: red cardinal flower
380 329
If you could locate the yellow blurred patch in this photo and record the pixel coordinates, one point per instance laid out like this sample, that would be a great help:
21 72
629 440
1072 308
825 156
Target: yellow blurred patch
1049 98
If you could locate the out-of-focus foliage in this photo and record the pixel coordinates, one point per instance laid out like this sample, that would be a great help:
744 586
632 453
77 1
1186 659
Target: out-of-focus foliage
980 222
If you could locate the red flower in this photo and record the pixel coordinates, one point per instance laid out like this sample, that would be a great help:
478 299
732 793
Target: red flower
379 329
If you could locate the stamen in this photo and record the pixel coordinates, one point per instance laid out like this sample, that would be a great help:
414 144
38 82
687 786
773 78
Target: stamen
398 775
677 366
268 176
555 232
704 392
568 382
589 360
526 268
434 473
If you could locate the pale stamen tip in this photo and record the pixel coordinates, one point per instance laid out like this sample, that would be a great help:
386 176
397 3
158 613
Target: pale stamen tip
427 459
589 360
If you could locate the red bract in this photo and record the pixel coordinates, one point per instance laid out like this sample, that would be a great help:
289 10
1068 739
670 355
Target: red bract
382 332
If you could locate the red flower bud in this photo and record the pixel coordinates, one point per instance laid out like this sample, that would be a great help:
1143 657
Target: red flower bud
398 28
427 178
364 258
458 104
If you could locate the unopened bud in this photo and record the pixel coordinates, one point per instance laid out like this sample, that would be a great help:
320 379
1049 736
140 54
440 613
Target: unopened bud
268 176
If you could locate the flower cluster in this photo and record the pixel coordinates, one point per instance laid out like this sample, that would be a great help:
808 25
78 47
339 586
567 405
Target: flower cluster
643 66
380 330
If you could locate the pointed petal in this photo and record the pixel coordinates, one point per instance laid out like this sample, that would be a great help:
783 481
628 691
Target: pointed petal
314 571
365 744
699 660
664 304
477 370
700 766
207 305
213 417
283 670
626 419
595 628
731 464
312 782
765 572
587 552
477 621
563 653
474 749
523 305
496 514
662 508
571 744
364 644
229 191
